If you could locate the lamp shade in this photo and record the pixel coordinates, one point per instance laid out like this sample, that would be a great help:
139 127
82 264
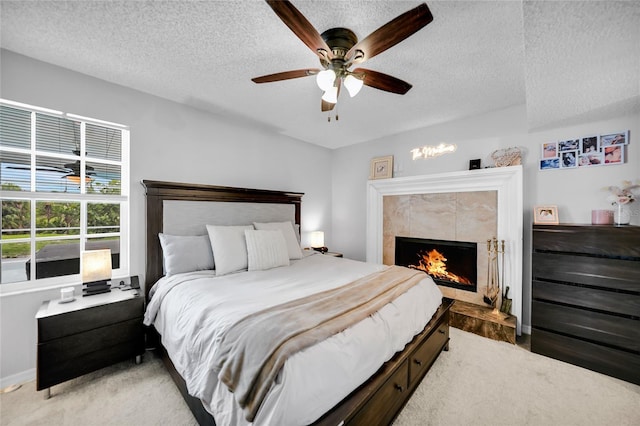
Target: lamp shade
96 265
316 239
353 85
325 79
331 95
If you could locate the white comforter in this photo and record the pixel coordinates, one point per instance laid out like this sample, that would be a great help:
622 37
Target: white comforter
192 311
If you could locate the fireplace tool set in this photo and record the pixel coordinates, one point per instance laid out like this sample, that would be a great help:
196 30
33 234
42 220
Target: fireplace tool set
494 292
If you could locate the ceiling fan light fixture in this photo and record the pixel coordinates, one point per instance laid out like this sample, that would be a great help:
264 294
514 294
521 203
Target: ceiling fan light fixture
353 84
326 79
331 95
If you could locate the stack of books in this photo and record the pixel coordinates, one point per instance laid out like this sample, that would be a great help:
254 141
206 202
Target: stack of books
96 287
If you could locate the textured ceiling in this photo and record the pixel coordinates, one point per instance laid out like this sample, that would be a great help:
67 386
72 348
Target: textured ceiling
567 61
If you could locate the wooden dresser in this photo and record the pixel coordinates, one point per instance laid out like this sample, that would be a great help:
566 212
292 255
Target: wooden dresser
586 297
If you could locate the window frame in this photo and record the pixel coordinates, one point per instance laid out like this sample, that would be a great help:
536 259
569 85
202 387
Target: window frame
82 198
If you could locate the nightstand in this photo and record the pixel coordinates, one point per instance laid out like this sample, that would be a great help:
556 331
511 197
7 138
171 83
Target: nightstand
87 334
332 253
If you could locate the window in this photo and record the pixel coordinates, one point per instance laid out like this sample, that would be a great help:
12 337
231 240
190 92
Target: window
65 183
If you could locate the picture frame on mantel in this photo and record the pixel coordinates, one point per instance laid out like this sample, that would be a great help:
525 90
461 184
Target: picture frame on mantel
545 215
381 168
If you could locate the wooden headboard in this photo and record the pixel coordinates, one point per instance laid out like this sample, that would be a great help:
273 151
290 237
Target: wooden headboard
158 192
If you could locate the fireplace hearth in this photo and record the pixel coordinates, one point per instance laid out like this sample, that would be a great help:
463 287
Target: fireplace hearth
449 263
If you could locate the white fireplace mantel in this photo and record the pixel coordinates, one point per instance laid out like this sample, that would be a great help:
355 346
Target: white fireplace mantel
507 181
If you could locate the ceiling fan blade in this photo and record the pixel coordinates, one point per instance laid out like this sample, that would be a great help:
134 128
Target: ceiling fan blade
301 27
326 106
382 81
285 75
390 34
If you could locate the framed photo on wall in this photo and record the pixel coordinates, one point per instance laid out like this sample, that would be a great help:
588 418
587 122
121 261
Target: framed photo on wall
545 214
381 168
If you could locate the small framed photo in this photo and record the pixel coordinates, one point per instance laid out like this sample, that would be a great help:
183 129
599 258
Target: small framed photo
590 159
545 214
549 150
550 164
621 138
381 168
569 159
589 144
569 145
613 154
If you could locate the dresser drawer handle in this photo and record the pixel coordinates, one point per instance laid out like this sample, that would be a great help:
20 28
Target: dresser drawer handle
417 361
442 331
398 387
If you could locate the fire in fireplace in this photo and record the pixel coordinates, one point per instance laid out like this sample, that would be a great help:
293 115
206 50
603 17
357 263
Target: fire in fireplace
449 263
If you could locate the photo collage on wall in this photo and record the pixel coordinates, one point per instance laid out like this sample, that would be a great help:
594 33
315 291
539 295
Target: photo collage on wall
587 151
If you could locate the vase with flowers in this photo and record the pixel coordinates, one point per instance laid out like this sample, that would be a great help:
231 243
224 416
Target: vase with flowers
621 197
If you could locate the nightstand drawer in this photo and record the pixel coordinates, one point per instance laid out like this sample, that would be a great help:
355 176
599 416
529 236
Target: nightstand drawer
52 374
56 351
79 321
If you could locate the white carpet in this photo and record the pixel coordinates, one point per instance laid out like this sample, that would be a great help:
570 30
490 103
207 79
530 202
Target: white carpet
478 382
485 382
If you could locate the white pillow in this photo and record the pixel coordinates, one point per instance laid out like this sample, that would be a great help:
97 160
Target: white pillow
266 249
229 247
185 253
293 245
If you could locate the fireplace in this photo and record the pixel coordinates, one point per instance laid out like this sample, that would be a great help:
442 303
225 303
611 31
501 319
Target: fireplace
450 263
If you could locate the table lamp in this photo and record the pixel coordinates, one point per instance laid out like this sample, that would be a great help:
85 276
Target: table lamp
96 272
316 240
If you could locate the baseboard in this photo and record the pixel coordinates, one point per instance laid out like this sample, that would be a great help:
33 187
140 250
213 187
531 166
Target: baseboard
526 329
19 378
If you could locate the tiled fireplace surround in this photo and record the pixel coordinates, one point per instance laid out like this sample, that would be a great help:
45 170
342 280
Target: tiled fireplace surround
474 206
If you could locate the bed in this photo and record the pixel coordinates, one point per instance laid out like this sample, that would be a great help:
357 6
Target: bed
363 374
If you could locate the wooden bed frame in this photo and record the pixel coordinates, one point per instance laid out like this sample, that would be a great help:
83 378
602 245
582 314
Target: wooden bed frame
377 401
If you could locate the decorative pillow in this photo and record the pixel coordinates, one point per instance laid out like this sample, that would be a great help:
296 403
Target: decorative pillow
185 253
229 247
266 249
293 245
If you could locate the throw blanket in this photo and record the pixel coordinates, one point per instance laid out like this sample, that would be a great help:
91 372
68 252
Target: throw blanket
253 350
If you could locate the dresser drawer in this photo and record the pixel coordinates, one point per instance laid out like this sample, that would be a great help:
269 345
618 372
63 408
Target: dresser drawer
594 271
609 301
611 330
381 408
56 326
611 241
422 358
613 362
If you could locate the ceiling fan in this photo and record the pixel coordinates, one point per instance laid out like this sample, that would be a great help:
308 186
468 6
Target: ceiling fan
69 171
339 49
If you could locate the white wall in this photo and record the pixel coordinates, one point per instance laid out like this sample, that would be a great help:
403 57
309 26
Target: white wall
575 191
169 142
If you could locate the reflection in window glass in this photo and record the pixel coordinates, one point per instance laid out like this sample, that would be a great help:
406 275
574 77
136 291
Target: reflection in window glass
15 247
111 243
15 171
14 261
15 127
105 179
57 134
103 142
57 218
56 258
57 175
103 218
16 219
